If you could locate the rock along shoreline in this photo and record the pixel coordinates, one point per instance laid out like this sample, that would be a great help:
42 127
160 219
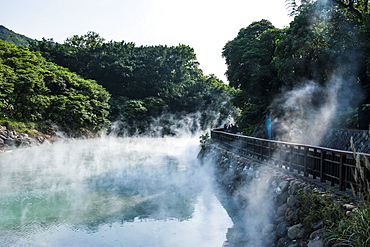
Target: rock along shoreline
10 139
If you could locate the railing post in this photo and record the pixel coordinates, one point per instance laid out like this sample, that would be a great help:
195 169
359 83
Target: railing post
305 162
261 150
332 169
270 155
322 157
291 159
366 173
280 157
341 173
313 164
254 148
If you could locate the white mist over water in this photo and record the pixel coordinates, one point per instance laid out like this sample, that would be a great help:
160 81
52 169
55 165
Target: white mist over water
258 216
110 191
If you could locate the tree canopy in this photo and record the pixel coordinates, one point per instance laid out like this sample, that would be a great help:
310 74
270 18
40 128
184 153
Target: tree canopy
146 81
32 89
326 39
12 37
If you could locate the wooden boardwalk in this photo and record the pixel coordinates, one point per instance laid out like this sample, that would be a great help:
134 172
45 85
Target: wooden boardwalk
347 170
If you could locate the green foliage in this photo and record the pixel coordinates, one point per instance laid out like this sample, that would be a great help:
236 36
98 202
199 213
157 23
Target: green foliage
326 40
343 230
249 58
135 110
12 37
12 124
204 140
91 39
144 81
248 55
346 119
352 231
317 206
35 90
155 106
320 40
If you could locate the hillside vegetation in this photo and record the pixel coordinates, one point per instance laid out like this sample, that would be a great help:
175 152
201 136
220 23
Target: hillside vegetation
137 86
316 68
34 90
146 82
12 37
315 72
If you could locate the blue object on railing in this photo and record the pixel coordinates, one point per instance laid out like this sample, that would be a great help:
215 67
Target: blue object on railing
268 127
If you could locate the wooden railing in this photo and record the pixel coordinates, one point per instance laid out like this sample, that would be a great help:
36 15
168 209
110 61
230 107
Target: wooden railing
327 165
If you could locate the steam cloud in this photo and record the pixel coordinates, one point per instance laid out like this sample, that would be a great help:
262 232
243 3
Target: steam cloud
88 185
311 107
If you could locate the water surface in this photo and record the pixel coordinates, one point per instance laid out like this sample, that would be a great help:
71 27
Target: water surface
110 192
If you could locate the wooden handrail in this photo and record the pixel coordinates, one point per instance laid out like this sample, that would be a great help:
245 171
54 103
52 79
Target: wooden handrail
325 164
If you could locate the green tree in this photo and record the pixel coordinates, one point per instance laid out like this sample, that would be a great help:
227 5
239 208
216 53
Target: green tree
300 53
325 41
90 39
159 79
32 89
7 79
356 7
249 58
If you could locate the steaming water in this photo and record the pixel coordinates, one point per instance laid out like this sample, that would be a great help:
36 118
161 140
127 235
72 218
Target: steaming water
110 192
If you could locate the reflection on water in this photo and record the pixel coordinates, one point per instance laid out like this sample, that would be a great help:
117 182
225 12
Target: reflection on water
109 192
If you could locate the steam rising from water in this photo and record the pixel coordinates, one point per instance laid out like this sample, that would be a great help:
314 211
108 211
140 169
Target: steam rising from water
311 107
104 186
108 192
258 215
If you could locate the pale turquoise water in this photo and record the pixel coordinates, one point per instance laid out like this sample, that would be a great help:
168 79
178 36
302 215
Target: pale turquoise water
110 192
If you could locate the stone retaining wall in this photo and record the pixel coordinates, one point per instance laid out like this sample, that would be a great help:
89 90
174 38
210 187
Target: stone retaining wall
341 139
285 226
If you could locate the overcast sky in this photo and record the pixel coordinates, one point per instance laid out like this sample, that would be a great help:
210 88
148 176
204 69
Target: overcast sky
205 25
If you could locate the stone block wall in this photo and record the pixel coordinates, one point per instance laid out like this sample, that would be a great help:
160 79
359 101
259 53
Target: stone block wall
236 175
341 139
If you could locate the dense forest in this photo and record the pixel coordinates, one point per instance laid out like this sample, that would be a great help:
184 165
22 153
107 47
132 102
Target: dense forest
319 62
145 82
12 37
85 83
33 89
